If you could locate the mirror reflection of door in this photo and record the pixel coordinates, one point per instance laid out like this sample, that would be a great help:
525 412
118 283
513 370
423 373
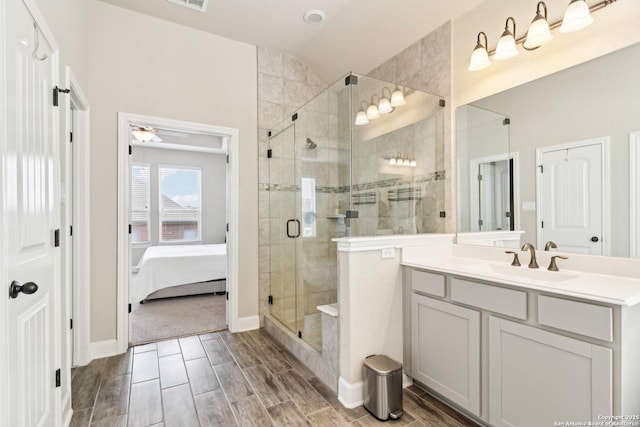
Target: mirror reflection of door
491 184
571 203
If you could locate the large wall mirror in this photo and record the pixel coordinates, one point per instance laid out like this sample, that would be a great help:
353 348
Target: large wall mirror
557 159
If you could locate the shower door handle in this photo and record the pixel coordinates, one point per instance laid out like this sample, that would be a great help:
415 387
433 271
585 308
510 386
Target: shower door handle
293 236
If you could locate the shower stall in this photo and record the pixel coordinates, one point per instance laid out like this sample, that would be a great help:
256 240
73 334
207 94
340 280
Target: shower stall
330 178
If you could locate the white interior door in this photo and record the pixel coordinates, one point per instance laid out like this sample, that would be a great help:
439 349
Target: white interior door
571 198
31 188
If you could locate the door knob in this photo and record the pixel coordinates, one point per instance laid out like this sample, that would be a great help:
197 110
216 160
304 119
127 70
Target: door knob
15 289
594 239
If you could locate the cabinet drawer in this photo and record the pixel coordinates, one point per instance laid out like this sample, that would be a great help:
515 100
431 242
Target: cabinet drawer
428 283
585 319
499 300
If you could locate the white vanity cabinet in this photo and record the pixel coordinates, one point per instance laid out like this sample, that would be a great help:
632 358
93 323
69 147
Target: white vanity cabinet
514 356
446 350
537 377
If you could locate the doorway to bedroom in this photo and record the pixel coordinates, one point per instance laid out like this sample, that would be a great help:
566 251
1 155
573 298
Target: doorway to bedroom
178 232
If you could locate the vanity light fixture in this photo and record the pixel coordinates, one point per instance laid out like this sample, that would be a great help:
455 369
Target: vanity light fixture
372 112
480 56
401 160
361 117
507 44
539 32
384 106
576 17
397 98
392 160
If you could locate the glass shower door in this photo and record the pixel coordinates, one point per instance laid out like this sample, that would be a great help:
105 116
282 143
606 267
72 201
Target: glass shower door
283 226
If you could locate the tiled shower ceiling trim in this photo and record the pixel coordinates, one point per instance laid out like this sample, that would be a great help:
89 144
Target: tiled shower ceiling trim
199 5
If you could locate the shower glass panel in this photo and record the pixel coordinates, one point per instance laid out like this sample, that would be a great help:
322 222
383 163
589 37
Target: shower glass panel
331 178
282 210
398 163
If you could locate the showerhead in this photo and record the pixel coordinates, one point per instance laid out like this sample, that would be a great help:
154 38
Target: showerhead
310 144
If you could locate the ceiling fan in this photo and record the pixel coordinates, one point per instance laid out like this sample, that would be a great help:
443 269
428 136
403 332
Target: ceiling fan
144 133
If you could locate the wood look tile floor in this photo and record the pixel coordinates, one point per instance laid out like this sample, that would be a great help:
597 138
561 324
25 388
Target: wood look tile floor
224 379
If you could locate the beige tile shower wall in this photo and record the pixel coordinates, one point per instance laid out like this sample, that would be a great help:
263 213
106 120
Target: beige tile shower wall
426 66
284 85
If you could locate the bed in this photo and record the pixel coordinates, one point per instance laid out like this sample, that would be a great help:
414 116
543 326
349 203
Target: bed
167 271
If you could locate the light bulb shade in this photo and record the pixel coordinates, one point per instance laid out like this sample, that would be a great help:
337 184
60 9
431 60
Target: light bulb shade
538 34
507 44
384 107
361 118
479 58
372 112
143 135
392 161
506 47
397 98
576 17
406 162
413 163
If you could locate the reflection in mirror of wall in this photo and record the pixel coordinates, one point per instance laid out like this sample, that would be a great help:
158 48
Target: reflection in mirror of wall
595 101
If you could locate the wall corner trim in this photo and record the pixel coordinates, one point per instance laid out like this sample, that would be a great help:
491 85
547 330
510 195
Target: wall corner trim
107 348
351 395
246 324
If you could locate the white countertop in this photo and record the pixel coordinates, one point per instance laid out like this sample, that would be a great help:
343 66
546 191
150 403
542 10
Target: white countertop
607 288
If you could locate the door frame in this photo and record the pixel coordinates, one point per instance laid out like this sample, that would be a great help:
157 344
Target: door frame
634 194
78 258
604 143
125 120
473 180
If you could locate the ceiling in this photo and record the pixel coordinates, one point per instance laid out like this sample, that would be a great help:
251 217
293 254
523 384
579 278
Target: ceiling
357 35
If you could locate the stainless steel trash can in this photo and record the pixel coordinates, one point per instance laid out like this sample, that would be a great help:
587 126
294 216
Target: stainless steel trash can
383 387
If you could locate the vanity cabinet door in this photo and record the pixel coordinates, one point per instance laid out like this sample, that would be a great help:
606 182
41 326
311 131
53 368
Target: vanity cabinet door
445 350
538 377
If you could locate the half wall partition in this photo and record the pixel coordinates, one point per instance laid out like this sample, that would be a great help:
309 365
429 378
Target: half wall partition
331 178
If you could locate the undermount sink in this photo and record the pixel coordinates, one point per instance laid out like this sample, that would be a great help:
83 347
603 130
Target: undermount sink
520 272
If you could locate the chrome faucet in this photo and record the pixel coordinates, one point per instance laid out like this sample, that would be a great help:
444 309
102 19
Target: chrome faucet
532 262
550 245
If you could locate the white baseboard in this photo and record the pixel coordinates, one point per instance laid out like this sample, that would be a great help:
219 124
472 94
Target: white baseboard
406 381
105 348
350 395
247 324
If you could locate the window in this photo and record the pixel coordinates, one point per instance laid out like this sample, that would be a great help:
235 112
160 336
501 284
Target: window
179 203
308 207
140 203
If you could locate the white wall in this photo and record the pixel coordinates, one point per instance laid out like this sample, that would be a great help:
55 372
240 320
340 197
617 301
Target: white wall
143 65
213 169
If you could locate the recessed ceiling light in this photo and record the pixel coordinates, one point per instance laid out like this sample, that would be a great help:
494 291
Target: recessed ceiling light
314 16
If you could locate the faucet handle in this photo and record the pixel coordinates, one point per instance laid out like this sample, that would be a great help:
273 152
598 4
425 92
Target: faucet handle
550 245
516 261
552 264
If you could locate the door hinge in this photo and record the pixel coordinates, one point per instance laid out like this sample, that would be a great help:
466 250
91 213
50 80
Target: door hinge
58 382
541 224
479 177
129 308
270 299
227 294
269 153
294 117
227 227
299 334
56 91
56 238
351 214
351 80
443 214
130 150
71 230
227 159
442 103
480 222
506 121
70 323
130 228
70 136
541 168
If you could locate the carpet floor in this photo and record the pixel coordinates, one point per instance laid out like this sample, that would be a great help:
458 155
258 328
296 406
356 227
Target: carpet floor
177 317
